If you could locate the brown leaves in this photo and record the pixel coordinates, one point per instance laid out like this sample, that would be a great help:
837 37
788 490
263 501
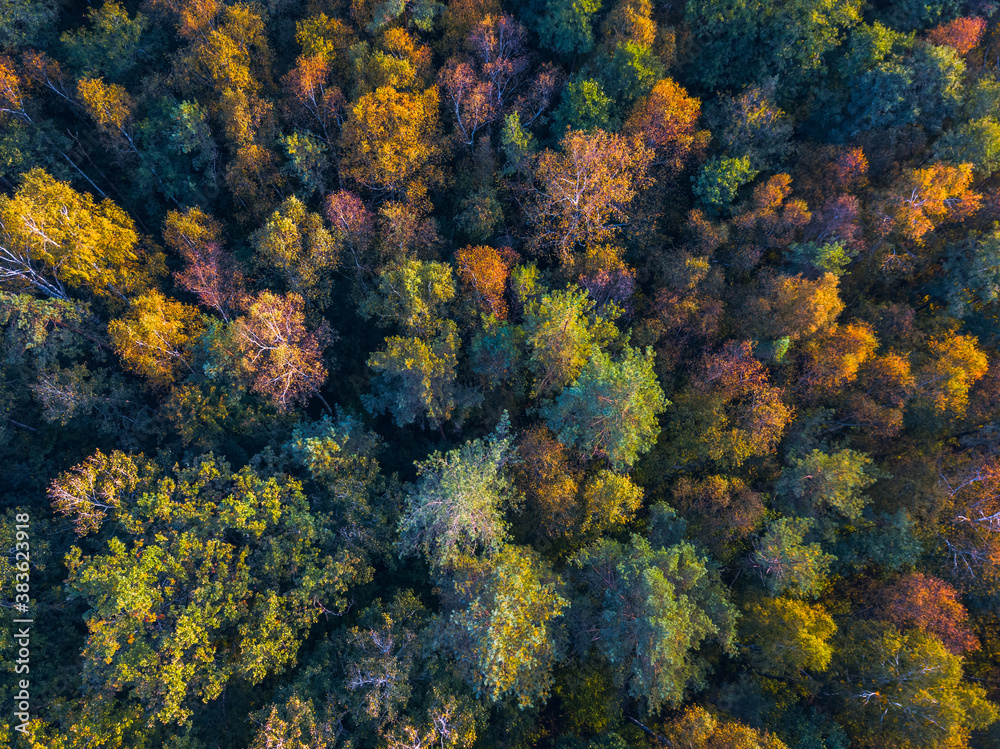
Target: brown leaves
353 224
721 509
768 220
470 100
884 387
793 306
549 482
498 41
971 528
746 415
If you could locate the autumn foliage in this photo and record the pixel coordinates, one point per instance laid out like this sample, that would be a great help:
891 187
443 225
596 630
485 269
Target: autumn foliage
282 358
666 120
929 604
485 270
962 34
454 374
584 190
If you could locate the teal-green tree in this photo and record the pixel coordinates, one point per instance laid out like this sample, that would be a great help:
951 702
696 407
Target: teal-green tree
821 482
564 26
113 44
786 564
562 331
721 178
973 272
26 23
645 610
742 43
457 506
584 106
346 485
415 379
611 411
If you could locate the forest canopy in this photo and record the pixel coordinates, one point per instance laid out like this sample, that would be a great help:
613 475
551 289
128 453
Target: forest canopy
458 374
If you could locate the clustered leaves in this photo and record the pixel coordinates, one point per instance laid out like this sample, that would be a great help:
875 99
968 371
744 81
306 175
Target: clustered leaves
425 374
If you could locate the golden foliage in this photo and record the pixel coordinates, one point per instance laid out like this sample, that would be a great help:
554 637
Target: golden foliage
52 236
956 364
154 336
667 122
924 198
548 481
391 142
833 360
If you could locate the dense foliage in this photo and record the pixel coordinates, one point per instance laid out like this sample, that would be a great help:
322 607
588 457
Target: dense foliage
574 374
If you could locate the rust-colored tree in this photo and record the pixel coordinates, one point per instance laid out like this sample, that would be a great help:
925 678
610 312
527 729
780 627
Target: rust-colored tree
720 509
12 99
970 527
311 98
667 120
769 220
499 42
469 100
253 177
793 306
931 605
549 482
879 397
730 412
962 34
